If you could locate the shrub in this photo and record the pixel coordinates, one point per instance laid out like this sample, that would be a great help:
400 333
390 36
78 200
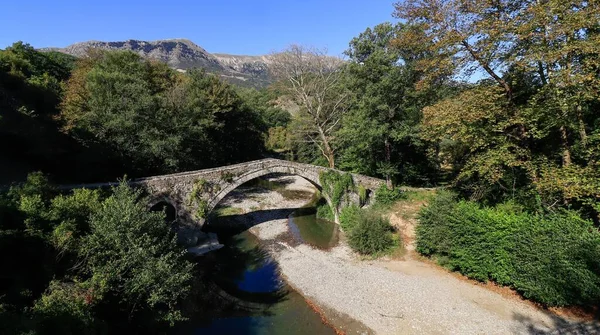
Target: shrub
362 195
336 185
65 309
349 217
432 231
386 196
372 234
132 254
227 177
552 259
324 212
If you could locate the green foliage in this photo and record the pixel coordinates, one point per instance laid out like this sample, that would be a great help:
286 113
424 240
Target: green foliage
420 195
336 185
349 217
324 212
65 309
65 217
227 177
387 197
277 138
200 187
264 102
552 259
362 195
434 220
379 135
527 132
163 121
79 205
35 184
202 210
30 91
132 254
372 234
71 214
80 256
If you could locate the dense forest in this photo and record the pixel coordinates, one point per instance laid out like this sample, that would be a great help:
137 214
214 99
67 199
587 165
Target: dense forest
495 101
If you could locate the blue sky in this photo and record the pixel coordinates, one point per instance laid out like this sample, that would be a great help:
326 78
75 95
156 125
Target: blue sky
250 27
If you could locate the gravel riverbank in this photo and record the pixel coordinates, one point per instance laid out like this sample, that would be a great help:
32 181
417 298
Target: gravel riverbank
388 297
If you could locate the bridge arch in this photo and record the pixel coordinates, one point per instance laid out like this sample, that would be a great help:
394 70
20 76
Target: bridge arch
166 204
310 176
194 194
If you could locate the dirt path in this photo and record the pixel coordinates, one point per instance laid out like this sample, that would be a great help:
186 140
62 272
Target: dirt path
395 296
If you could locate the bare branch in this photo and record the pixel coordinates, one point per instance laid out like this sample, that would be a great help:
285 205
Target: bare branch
311 78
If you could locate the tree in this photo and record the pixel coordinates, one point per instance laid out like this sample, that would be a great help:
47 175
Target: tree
478 132
115 104
457 35
556 40
151 119
379 133
544 57
312 80
86 263
133 257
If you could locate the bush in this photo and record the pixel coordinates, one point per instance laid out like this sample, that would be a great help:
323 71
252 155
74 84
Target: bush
132 254
432 231
362 195
552 259
386 196
65 309
372 234
336 186
324 212
349 217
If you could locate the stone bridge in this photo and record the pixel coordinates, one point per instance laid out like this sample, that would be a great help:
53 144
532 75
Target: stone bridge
190 196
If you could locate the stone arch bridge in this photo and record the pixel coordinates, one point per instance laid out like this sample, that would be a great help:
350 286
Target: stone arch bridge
193 195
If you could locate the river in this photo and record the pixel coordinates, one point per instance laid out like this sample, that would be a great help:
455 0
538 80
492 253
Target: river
260 300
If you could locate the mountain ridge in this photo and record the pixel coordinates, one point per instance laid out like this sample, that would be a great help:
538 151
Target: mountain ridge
182 54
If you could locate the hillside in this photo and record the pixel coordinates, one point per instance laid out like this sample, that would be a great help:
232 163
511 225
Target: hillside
183 54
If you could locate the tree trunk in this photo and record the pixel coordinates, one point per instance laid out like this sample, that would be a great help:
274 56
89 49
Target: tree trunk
388 159
328 152
566 155
582 132
542 73
331 160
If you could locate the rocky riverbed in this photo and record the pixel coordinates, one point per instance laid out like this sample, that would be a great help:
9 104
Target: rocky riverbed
385 296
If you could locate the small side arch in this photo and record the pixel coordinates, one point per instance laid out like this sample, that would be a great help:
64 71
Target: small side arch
167 205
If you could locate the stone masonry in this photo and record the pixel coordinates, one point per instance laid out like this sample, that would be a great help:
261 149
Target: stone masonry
194 194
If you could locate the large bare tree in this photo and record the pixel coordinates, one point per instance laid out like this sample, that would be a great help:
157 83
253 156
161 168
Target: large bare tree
312 79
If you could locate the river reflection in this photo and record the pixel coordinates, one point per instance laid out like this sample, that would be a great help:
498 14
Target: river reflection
265 304
243 274
306 227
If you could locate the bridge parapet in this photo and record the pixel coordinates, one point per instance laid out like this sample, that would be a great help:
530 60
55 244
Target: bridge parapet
194 194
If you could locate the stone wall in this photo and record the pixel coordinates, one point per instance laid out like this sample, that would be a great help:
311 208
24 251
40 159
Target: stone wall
192 207
218 182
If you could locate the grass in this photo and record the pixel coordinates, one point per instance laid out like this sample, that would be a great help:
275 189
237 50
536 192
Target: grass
420 195
409 207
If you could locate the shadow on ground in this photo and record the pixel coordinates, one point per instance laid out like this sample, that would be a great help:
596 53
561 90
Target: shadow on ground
231 225
559 325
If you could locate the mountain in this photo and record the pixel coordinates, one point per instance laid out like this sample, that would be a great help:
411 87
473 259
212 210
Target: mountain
182 54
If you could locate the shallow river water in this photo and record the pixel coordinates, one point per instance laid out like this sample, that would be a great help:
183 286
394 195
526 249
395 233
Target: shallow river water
248 275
